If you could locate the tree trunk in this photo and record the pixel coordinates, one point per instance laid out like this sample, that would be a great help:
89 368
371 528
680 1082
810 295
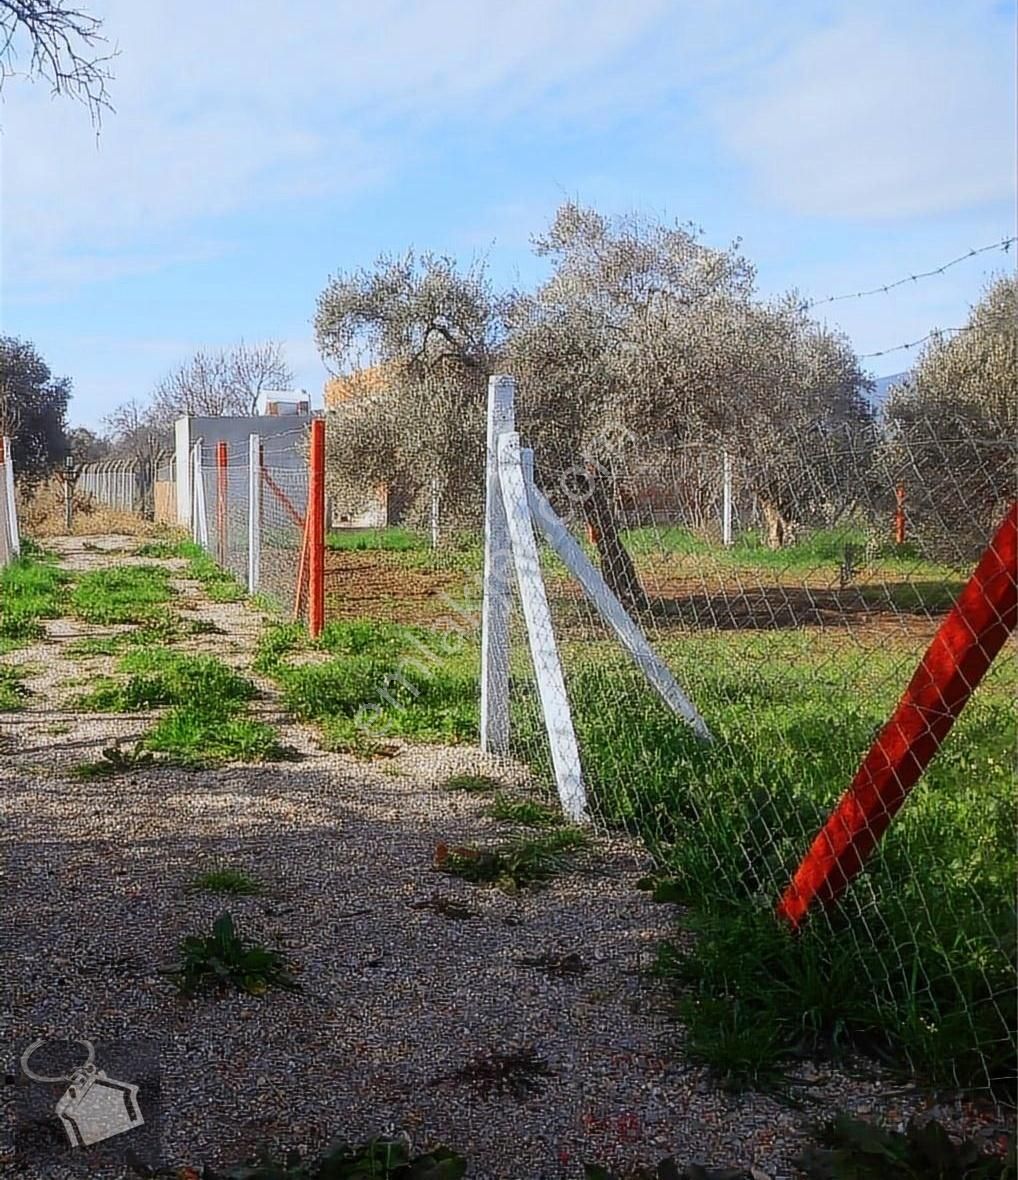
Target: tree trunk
616 564
778 526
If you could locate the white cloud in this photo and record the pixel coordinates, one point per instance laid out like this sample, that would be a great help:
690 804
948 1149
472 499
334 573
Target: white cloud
883 113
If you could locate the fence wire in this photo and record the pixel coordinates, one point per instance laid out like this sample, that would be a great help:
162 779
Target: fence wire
795 642
281 505
284 501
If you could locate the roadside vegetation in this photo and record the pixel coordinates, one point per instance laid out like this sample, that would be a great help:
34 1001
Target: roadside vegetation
793 712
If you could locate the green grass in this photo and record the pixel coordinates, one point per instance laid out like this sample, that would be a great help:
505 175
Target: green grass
194 736
159 677
13 690
917 963
32 588
528 812
383 679
122 594
399 540
165 550
228 880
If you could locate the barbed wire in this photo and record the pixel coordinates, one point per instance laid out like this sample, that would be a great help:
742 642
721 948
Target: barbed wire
913 343
1004 244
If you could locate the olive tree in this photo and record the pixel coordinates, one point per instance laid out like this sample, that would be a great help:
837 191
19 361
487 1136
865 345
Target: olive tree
430 333
952 429
646 337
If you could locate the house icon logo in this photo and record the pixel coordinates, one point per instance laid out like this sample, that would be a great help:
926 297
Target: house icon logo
94 1107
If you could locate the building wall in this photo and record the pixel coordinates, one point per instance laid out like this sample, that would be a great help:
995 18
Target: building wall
284 445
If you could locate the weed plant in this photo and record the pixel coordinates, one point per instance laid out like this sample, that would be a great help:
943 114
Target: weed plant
225 958
226 879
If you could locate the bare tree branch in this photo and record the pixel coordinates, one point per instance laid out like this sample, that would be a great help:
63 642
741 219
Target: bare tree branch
63 45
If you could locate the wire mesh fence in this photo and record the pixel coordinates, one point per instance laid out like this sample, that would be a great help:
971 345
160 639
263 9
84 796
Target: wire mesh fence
262 548
796 656
284 501
785 616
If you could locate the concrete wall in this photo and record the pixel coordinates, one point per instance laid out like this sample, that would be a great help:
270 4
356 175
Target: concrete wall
284 445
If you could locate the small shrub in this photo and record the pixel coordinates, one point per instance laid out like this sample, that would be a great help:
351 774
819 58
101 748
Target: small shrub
227 959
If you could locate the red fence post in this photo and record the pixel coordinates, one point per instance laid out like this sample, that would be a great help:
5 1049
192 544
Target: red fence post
222 459
316 530
899 515
964 646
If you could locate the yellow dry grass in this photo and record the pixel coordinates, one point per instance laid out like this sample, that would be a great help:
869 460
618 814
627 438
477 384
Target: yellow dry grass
42 515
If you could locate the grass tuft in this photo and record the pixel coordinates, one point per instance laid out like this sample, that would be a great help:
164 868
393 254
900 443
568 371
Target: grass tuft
122 594
13 690
229 880
528 812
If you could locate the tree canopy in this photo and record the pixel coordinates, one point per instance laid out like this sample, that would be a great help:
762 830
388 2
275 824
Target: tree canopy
640 340
953 429
33 409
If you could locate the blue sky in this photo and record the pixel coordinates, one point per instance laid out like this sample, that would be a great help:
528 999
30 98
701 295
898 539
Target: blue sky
259 146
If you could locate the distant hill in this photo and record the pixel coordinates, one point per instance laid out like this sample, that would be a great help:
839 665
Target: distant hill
882 387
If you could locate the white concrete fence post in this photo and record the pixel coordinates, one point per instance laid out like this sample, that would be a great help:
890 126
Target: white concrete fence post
199 519
254 512
726 507
14 535
497 592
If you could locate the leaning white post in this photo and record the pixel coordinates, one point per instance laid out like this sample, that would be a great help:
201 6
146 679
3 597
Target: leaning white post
565 755
726 507
12 510
496 594
254 512
608 606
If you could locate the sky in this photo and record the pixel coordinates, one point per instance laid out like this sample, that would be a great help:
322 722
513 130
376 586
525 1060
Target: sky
259 147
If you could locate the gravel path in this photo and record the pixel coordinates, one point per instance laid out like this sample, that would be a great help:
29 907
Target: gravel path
395 996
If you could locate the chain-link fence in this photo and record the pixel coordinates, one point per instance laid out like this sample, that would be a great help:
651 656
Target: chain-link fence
826 614
262 548
752 670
